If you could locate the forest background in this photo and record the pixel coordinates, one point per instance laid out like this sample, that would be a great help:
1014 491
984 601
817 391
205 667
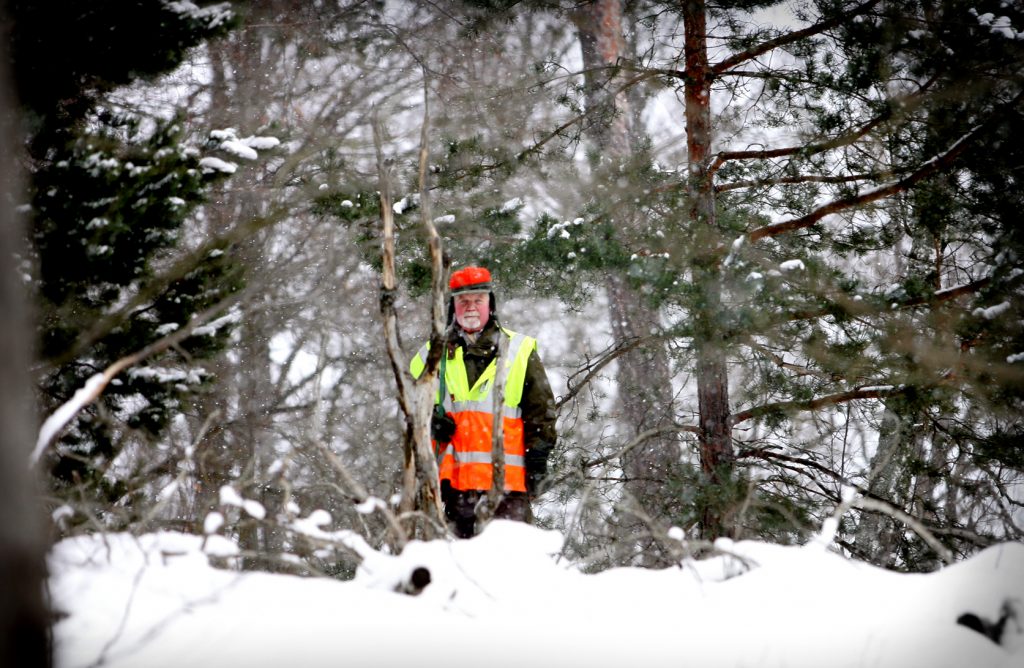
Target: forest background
770 251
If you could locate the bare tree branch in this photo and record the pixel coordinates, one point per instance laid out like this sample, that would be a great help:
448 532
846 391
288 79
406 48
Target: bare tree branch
361 496
879 506
94 387
640 439
592 369
814 404
497 490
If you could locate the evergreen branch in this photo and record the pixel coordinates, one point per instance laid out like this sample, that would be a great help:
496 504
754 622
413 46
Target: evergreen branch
792 180
874 392
94 386
790 38
522 155
904 105
804 149
935 165
756 74
776 457
177 271
629 83
864 308
783 364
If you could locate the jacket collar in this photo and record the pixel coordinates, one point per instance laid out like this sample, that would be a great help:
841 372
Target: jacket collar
486 342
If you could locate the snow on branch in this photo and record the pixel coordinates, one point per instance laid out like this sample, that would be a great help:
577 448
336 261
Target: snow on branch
862 308
211 15
361 497
95 385
53 425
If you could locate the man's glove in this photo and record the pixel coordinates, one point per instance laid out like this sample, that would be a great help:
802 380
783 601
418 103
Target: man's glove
446 492
442 428
537 469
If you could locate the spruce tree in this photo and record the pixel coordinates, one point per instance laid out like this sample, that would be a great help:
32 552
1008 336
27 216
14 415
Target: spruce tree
111 271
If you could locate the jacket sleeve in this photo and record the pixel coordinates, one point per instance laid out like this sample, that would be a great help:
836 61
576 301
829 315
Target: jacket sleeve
538 406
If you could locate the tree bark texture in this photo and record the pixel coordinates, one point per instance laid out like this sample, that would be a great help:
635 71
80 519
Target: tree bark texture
249 441
416 398
876 537
24 625
643 377
716 450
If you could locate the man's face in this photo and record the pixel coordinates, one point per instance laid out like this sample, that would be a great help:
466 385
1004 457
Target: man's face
472 310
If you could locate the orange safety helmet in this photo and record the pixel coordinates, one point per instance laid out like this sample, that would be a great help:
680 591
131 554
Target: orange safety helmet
471 279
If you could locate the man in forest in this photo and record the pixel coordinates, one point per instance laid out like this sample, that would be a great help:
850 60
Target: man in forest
462 430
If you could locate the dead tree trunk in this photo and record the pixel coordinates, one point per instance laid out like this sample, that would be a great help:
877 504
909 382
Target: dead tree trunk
415 397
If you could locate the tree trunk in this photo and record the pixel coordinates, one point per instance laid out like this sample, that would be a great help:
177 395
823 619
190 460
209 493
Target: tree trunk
644 381
875 539
24 627
716 450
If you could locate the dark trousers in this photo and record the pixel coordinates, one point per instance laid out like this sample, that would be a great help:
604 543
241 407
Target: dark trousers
460 509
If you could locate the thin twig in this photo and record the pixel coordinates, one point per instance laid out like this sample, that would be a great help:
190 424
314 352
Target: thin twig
360 495
877 505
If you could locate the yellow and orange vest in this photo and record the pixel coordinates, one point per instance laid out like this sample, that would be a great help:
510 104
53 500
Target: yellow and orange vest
466 461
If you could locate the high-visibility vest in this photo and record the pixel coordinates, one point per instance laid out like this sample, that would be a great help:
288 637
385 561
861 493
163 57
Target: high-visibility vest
467 462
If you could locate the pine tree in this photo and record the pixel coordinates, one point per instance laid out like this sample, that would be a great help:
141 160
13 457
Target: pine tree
838 238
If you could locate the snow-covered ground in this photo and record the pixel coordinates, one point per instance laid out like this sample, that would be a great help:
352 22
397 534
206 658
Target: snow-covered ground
504 598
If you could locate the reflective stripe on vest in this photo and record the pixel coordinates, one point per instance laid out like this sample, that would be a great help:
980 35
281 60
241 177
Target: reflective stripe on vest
467 462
